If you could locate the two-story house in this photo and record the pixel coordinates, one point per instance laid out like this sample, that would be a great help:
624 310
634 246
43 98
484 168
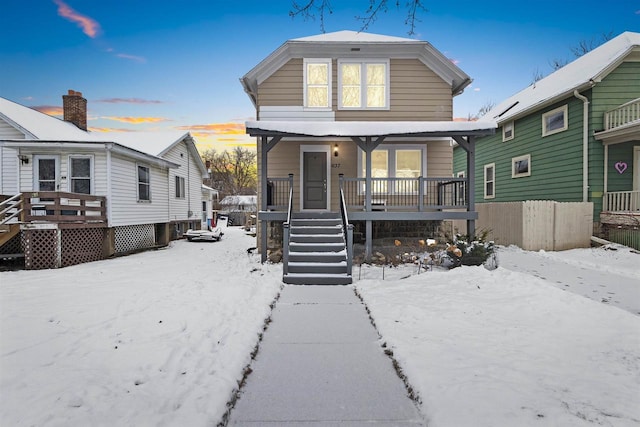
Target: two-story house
354 129
573 136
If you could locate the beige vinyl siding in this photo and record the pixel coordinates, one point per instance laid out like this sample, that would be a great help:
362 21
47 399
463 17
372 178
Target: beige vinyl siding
439 159
284 159
9 164
125 208
179 208
417 93
9 132
284 87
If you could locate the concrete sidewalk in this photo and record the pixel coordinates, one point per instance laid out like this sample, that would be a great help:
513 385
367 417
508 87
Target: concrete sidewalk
320 363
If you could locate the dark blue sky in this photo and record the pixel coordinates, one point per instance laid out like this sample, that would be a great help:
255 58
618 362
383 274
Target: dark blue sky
167 64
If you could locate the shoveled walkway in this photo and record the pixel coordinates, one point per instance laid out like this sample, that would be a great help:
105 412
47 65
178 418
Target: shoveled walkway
320 363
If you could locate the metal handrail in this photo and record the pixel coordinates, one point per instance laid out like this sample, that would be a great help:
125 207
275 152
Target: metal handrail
286 234
348 228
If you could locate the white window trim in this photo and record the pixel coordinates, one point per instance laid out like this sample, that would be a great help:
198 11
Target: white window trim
460 174
391 159
329 63
504 128
138 165
485 182
565 110
514 174
183 187
91 172
363 87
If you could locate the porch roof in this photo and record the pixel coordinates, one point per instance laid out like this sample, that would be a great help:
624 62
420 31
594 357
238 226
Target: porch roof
361 129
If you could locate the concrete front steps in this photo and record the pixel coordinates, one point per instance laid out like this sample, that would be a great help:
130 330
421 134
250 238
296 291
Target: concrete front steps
317 250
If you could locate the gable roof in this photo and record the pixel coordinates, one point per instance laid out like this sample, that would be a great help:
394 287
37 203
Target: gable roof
45 128
36 125
581 74
341 44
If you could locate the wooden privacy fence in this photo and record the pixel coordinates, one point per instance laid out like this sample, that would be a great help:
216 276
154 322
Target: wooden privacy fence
538 224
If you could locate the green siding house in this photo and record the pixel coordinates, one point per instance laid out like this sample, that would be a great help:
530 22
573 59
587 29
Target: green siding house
573 136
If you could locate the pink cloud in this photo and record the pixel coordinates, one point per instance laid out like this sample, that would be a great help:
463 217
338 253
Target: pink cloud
89 26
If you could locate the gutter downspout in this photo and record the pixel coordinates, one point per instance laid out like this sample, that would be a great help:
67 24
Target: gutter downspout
585 144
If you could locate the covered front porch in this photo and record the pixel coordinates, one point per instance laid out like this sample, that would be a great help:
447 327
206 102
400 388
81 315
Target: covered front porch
361 196
620 214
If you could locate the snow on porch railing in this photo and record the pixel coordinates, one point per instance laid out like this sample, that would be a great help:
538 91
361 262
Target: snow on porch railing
622 115
621 201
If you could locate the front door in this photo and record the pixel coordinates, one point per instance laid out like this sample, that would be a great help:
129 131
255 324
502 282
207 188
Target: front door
314 185
47 173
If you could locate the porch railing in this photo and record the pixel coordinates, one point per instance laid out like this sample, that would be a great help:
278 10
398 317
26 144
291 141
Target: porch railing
622 115
278 190
56 206
621 201
10 208
406 194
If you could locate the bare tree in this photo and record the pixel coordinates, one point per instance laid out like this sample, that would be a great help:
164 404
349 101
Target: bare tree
309 9
484 109
584 46
232 173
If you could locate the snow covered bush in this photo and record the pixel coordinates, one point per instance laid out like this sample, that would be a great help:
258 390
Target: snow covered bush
470 250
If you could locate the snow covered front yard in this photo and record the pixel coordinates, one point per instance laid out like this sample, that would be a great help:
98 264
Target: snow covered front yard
507 348
161 338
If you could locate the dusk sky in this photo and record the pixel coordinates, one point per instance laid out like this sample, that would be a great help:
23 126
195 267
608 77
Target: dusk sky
166 65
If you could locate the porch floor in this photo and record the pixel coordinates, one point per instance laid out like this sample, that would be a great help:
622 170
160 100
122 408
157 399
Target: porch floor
321 363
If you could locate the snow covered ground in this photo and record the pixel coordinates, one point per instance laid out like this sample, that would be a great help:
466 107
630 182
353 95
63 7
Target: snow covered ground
154 339
507 348
161 338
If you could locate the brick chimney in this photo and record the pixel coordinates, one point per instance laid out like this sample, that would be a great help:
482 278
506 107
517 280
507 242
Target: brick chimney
75 109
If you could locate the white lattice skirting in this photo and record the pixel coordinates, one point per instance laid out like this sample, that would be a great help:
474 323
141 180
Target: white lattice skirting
134 237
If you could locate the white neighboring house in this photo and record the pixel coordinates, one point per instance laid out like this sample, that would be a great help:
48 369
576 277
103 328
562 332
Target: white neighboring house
150 183
209 197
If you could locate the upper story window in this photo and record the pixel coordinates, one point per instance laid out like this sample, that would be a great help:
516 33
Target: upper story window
363 84
317 83
555 121
144 183
80 174
507 131
180 191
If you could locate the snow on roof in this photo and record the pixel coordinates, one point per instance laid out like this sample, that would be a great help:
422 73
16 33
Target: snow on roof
38 125
154 143
347 36
333 128
580 74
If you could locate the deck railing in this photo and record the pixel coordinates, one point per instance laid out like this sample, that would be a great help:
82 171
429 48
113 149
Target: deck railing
278 193
56 206
406 194
621 201
622 115
10 208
